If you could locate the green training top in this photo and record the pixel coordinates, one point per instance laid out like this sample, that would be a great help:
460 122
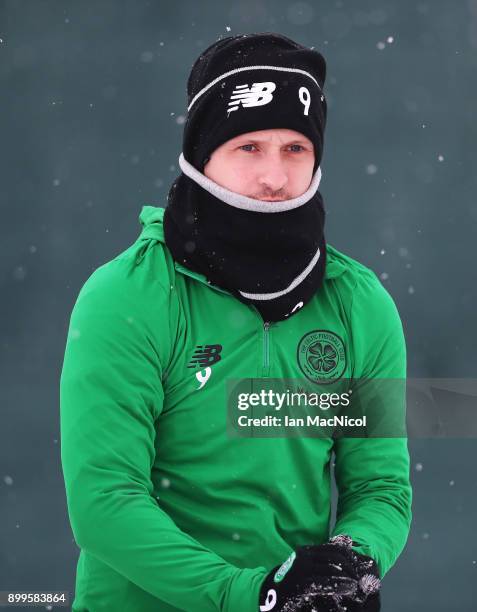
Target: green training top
170 511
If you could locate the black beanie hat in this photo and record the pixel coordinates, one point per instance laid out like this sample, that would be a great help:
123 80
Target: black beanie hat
253 82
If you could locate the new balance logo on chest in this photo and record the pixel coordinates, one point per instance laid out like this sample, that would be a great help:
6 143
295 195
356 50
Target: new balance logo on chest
205 355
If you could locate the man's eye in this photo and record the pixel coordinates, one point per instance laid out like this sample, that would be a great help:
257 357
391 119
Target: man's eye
296 150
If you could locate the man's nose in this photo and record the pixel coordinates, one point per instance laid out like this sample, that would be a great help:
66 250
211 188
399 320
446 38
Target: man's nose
272 173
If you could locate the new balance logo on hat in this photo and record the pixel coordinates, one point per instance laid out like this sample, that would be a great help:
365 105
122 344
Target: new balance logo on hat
260 94
257 95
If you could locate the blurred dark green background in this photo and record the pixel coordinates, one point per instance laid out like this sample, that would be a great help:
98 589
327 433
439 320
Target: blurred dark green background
92 104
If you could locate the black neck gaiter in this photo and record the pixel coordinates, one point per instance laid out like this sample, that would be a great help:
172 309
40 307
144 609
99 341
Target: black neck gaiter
269 254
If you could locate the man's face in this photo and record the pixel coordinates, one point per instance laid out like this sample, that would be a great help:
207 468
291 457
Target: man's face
269 165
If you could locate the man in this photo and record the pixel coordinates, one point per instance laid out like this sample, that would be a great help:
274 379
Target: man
233 281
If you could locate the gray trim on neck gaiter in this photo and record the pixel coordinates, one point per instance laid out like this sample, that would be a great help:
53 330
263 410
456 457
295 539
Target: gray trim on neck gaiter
295 282
240 201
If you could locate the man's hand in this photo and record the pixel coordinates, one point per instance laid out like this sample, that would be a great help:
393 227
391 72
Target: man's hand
329 577
366 572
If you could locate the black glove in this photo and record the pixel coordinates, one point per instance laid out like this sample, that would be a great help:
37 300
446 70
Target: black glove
327 578
367 597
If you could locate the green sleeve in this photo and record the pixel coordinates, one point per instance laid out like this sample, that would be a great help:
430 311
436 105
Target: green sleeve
372 474
110 397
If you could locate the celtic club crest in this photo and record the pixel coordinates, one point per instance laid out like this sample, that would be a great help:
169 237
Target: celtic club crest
321 356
